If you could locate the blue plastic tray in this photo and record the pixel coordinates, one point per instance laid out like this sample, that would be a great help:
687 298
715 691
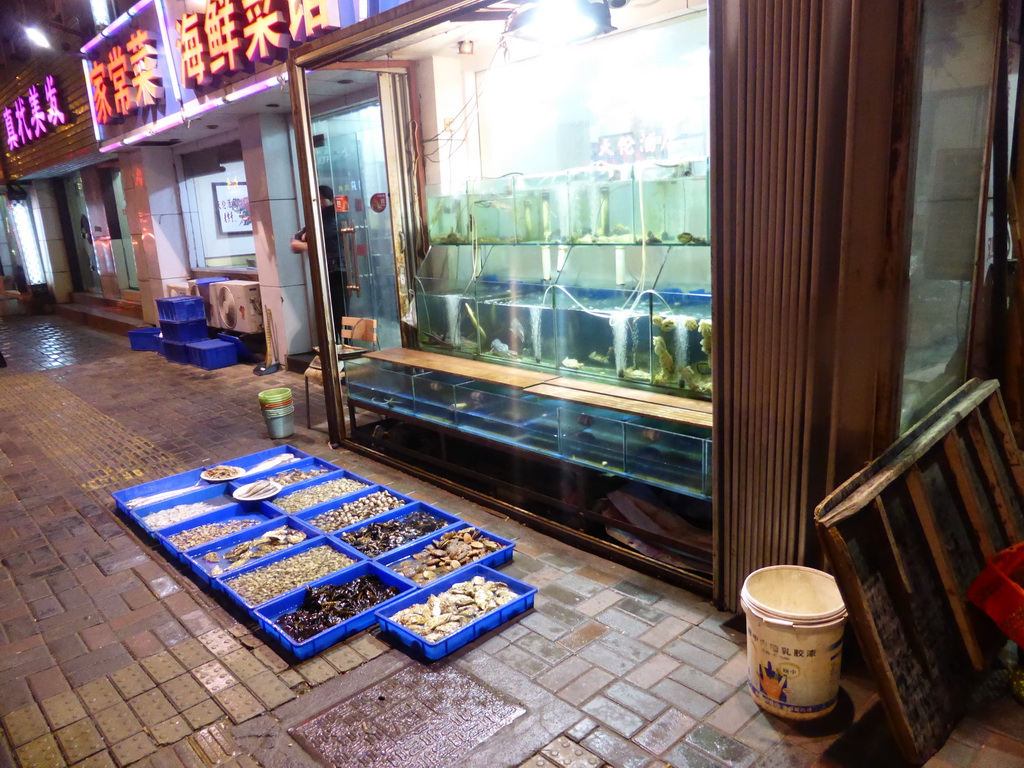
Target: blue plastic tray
143 339
176 351
209 493
180 308
248 510
340 474
309 463
221 582
307 515
450 521
269 613
417 646
493 559
182 480
212 354
185 331
193 558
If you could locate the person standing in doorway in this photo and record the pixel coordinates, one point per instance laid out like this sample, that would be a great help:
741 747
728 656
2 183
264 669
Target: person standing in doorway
336 277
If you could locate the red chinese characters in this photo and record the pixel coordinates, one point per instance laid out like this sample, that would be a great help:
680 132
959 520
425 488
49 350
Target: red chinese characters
101 93
195 57
309 19
146 80
223 26
266 32
117 71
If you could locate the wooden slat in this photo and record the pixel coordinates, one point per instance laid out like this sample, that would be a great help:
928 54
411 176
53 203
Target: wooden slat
675 415
954 590
958 462
674 401
489 372
999 424
999 493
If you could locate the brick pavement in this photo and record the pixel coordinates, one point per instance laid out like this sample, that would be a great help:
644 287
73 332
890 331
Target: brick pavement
110 655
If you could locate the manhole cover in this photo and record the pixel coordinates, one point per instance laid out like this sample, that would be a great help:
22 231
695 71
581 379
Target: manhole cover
417 718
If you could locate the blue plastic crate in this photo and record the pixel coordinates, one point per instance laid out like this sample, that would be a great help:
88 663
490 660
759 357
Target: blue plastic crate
143 339
494 559
216 492
223 583
311 463
195 558
160 349
254 459
247 510
179 308
419 647
212 354
450 521
307 515
185 330
337 475
176 351
270 612
174 482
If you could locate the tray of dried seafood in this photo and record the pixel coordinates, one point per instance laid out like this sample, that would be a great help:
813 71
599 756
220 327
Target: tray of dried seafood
353 509
396 528
231 554
289 474
227 520
324 489
453 611
308 620
423 562
274 575
178 509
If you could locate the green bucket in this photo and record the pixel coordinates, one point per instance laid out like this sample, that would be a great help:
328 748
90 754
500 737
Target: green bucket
276 395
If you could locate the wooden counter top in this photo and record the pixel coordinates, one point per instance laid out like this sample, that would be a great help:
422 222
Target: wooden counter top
624 404
460 366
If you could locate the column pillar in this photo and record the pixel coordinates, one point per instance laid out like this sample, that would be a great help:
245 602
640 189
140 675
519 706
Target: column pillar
51 240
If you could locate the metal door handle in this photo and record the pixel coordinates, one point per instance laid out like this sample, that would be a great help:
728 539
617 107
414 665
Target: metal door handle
348 242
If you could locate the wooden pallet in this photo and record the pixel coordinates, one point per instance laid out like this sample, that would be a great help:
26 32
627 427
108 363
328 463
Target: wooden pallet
906 537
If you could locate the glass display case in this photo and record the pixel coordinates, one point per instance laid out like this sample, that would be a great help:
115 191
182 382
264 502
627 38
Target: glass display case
445 301
448 216
672 203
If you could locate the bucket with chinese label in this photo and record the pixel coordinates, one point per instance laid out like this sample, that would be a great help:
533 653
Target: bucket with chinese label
795 621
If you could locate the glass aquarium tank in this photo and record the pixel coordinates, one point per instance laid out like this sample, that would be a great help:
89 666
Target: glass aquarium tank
493 209
671 203
542 208
445 305
448 216
601 206
681 319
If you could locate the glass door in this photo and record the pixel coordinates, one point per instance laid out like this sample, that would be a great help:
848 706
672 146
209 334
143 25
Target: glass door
84 251
350 160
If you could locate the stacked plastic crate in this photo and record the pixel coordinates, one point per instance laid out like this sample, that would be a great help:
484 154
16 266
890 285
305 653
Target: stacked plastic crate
211 564
185 338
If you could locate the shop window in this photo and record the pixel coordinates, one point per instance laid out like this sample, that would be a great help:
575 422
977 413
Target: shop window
218 221
25 240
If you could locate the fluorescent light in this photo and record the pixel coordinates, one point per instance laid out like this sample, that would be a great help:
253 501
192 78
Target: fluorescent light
25 234
36 36
561 21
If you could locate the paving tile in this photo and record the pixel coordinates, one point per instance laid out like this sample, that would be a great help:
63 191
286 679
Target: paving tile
220 642
25 724
97 637
734 671
162 667
641 610
664 632
117 723
720 746
341 658
715 644
581 729
607 658
213 676
734 713
615 716
316 671
711 687
562 613
98 695
171 730
184 692
585 686
80 740
648 592
665 731
691 611
203 713
652 670
762 733
291 678
551 652
63 709
583 635
270 659
598 602
269 689
239 703
244 665
789 756
565 753
623 622
132 680
544 625
579 583
538 762
191 653
368 646
615 749
40 753
637 700
152 707
684 756
99 760
133 749
563 562
561 594
564 673
521 660
694 656
683 698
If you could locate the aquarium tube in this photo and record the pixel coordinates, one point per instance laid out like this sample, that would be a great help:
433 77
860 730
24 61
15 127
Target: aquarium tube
545 261
620 265
563 254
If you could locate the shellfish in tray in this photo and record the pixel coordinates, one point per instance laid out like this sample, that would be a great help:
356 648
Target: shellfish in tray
448 612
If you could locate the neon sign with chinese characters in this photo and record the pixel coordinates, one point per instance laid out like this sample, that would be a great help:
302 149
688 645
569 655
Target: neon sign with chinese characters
33 114
127 80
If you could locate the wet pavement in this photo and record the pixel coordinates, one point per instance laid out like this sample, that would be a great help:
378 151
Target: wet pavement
111 655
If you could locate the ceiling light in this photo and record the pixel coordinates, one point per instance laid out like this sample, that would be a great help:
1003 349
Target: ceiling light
36 37
561 21
466 47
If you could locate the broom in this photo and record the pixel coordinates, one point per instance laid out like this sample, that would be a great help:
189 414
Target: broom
270 363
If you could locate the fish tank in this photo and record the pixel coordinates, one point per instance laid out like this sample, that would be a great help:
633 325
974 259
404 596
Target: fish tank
448 216
542 208
671 203
493 209
682 336
445 303
601 206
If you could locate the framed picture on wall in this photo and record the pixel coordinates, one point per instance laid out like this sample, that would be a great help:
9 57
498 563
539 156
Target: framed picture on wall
233 215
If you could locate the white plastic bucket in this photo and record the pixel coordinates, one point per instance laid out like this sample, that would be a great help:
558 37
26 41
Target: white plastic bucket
795 620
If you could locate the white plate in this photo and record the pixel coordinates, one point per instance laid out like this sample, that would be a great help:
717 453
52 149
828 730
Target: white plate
205 474
269 494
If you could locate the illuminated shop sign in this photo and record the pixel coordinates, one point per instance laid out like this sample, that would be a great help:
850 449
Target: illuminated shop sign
32 114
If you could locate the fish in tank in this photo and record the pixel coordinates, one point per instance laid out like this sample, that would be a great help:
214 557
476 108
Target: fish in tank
520 328
448 322
598 337
682 350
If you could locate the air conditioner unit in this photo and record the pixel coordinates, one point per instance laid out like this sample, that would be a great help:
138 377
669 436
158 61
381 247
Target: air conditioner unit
237 306
179 289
